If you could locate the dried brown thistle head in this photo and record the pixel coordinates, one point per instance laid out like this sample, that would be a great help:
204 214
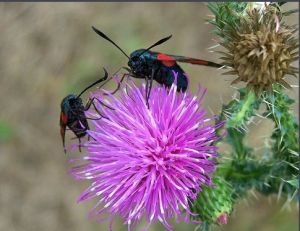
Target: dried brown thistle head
261 49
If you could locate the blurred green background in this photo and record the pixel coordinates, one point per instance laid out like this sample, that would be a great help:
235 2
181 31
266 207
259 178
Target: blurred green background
48 50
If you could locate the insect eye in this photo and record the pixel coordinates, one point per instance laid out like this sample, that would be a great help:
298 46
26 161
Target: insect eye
135 58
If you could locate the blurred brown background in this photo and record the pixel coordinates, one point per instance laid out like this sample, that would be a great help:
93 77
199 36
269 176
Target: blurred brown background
48 50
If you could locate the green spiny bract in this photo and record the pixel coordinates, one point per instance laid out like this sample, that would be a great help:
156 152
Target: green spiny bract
214 205
237 114
285 139
226 16
243 109
285 133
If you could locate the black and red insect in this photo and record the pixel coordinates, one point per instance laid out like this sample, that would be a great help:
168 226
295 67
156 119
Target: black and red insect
72 114
150 65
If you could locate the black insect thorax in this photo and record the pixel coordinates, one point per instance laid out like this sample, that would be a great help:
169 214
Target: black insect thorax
141 63
73 107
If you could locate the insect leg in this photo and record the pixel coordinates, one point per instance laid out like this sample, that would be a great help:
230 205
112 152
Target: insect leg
87 107
150 87
119 85
91 102
146 91
79 146
122 79
126 86
128 75
84 117
90 137
98 111
88 118
103 104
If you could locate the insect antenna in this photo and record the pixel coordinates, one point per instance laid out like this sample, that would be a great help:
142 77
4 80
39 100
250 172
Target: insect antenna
157 43
108 39
93 84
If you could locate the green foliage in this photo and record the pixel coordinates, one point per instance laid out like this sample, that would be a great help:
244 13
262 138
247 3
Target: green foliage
285 134
274 171
227 16
285 139
237 114
6 131
248 174
243 109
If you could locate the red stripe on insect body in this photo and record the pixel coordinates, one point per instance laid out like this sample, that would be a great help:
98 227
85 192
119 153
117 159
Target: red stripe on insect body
63 118
166 60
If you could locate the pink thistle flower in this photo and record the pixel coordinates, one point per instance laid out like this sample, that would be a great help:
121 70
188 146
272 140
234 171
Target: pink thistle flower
148 162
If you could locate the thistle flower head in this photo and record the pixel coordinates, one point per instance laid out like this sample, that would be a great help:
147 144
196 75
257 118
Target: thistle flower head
260 48
148 162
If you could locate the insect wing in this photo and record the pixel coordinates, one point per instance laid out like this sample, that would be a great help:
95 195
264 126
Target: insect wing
63 125
170 60
63 119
